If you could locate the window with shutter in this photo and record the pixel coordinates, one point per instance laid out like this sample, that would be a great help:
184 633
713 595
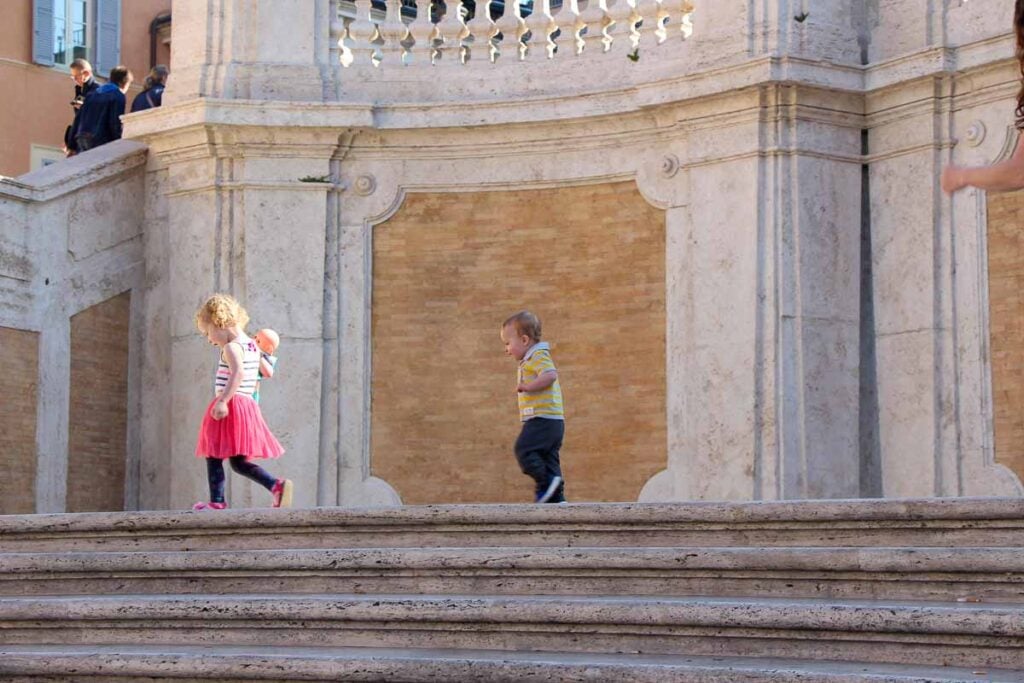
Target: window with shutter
108 35
42 32
62 31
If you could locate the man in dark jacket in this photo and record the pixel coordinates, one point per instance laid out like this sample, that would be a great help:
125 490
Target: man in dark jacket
85 85
99 120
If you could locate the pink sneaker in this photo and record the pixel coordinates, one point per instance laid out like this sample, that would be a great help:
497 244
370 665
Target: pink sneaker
282 492
209 506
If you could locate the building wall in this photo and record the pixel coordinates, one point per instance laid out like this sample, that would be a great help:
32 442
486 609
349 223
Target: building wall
448 269
98 407
35 109
1006 316
19 354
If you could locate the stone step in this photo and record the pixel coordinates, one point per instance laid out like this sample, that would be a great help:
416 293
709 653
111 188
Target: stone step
915 633
124 664
950 522
942 574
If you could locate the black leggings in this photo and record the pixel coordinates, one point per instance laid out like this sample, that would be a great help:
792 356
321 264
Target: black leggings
240 464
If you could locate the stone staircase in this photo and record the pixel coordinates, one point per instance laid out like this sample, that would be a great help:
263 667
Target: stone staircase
911 590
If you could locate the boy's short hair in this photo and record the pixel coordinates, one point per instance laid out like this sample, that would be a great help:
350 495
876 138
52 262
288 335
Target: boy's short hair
120 75
81 65
525 323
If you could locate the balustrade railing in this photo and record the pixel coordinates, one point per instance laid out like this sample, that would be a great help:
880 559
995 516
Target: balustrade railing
457 34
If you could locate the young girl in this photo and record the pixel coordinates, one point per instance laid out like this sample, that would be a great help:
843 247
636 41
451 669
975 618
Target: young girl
233 427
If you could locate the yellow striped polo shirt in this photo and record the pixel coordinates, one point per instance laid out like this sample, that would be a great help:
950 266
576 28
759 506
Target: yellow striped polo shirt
546 403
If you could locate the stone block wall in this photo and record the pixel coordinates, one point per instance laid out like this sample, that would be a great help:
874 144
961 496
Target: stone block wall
97 436
19 356
448 269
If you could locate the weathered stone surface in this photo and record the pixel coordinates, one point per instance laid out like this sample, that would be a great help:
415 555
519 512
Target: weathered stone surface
124 664
884 523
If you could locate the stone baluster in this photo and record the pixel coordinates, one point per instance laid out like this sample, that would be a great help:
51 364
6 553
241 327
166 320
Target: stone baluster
512 28
424 31
337 34
541 27
687 23
677 12
569 26
363 32
393 30
483 30
652 29
452 31
595 18
622 34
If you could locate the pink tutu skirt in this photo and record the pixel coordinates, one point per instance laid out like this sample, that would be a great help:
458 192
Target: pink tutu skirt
242 432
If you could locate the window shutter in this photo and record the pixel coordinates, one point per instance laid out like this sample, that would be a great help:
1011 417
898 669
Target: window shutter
42 32
108 36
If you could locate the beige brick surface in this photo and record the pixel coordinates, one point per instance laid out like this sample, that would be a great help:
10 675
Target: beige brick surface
1006 315
19 352
98 410
448 269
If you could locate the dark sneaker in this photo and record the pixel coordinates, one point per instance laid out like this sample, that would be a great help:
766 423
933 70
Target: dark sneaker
551 490
201 505
282 492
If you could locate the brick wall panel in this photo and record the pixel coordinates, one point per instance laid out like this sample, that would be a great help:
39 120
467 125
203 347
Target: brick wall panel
99 406
448 269
19 351
1006 318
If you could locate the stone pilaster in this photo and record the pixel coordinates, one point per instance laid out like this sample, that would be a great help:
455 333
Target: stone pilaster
251 50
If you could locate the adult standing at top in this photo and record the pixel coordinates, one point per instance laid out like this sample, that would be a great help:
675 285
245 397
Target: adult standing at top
1005 175
153 90
85 85
99 121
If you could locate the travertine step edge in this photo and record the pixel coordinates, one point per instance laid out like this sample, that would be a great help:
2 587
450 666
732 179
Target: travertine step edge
839 559
126 663
864 509
770 613
937 521
878 631
946 574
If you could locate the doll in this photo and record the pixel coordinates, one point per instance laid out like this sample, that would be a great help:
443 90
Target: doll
267 340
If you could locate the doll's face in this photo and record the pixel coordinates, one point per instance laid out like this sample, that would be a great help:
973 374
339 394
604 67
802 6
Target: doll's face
265 343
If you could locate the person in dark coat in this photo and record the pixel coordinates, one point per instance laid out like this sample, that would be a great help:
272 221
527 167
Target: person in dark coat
99 120
85 85
153 92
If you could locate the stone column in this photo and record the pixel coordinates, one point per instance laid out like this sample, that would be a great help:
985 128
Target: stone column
52 418
769 272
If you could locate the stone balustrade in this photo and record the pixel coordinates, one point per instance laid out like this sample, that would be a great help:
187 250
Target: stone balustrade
452 36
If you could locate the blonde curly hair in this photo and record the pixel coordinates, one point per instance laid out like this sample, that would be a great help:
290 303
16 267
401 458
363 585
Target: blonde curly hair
222 311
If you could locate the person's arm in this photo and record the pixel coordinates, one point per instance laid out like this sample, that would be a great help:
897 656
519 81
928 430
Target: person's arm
546 379
233 357
1002 177
114 118
266 367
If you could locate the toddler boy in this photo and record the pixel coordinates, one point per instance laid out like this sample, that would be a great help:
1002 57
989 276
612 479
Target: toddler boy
540 406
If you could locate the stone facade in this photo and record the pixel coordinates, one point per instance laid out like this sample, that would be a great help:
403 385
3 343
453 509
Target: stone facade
826 312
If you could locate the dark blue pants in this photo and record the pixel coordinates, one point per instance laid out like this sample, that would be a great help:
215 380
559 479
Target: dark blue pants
240 464
537 452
